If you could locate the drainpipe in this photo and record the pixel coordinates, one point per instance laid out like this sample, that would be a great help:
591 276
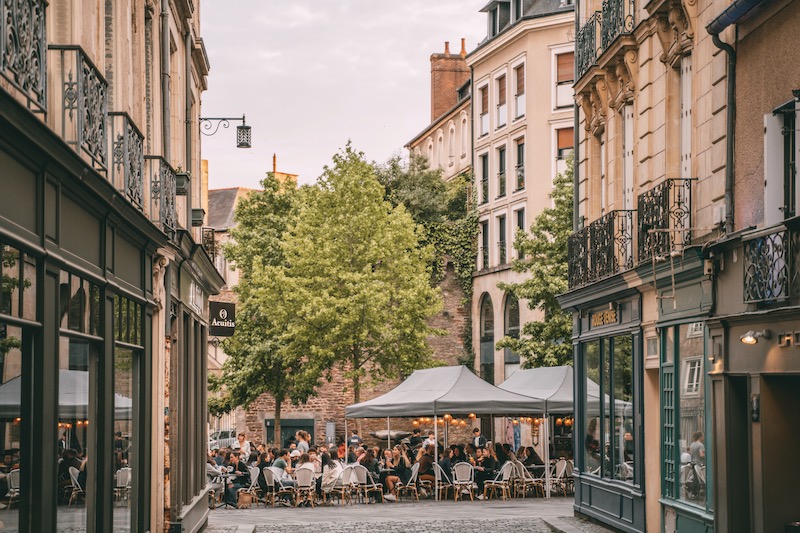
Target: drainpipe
188 75
730 124
577 137
165 90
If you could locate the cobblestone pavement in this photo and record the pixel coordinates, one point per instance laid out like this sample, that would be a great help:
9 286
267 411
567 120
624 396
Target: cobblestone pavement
515 516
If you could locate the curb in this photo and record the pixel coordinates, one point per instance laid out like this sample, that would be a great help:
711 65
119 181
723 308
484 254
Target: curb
559 526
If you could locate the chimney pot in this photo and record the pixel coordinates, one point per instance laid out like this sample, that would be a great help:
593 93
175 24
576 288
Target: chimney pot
274 163
447 47
463 47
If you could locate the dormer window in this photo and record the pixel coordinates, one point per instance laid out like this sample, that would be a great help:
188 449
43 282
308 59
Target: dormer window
499 16
516 10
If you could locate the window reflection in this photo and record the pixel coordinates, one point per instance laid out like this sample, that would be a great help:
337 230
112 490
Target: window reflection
623 408
11 364
691 437
591 369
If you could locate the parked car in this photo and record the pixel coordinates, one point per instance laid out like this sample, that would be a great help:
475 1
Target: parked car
222 439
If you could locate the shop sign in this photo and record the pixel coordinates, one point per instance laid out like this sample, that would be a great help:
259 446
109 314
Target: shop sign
604 318
222 319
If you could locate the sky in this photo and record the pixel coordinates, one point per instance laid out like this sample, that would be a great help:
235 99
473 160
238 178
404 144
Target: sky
312 74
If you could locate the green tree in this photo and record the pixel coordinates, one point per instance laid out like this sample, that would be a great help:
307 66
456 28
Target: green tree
258 361
543 253
355 285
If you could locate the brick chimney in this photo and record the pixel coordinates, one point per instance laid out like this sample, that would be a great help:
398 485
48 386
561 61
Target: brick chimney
448 73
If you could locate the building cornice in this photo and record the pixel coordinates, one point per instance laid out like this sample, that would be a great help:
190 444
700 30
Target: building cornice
516 31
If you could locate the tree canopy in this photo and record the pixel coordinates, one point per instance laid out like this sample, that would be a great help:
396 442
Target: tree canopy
543 257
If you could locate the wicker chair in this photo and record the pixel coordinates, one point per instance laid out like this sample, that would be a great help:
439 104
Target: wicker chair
306 489
463 479
503 482
363 484
412 487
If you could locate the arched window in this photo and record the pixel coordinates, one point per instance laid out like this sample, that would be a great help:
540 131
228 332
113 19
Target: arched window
464 134
452 144
440 150
487 339
430 152
511 328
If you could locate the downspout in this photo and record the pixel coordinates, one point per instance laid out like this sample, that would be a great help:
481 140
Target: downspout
577 137
729 133
165 85
188 75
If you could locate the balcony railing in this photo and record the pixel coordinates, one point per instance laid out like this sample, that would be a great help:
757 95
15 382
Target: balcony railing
209 242
23 50
501 253
484 124
602 249
618 18
520 173
484 191
81 106
160 191
664 219
502 115
587 46
771 261
519 105
501 184
127 158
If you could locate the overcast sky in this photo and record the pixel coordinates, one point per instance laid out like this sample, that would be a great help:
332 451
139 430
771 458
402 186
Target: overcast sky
311 74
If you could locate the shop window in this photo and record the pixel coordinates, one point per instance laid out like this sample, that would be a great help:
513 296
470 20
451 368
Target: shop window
16 356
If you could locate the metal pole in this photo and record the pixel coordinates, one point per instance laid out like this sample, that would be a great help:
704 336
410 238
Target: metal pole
436 455
546 424
388 434
346 447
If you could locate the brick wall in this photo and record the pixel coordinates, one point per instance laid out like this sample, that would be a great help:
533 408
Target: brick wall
448 73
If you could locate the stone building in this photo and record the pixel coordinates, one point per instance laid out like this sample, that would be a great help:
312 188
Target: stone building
103 314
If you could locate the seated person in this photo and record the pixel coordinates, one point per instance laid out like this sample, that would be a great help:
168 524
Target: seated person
263 462
240 481
69 458
331 470
283 466
426 472
532 458
485 469
213 473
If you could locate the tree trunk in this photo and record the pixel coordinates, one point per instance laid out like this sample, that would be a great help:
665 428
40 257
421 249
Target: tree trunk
278 440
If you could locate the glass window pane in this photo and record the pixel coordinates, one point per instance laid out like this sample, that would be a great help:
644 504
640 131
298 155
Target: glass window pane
124 457
691 409
623 408
607 430
591 370
11 361
75 431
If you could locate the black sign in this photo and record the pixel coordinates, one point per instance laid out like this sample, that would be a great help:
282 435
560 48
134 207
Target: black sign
222 320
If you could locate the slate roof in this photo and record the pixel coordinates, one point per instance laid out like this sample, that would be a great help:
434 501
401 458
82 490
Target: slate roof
221 206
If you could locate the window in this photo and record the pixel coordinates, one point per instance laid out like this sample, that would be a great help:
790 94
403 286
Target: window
451 146
484 116
520 168
430 153
464 138
501 240
781 154
686 117
487 339
484 178
609 447
440 150
565 76
683 414
484 244
519 98
502 111
501 172
566 140
519 215
627 157
517 14
511 329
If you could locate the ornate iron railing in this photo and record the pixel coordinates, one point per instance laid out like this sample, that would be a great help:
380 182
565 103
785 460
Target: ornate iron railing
160 191
618 18
578 258
587 43
520 172
126 146
501 184
611 244
82 107
209 242
23 49
771 266
664 219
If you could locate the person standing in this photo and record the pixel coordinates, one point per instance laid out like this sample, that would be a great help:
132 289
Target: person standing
354 440
478 440
697 449
243 446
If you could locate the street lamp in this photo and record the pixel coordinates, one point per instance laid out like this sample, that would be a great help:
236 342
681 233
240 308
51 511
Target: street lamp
243 133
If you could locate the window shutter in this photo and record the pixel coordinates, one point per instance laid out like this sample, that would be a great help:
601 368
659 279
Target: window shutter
520 70
501 90
566 67
484 100
566 139
686 117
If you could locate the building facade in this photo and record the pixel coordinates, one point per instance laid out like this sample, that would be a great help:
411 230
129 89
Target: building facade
103 310
522 133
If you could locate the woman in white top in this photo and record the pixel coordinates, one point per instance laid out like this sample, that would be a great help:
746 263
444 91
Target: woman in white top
243 446
331 470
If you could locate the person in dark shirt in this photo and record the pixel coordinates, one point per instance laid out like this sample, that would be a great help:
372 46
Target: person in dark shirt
241 481
416 439
426 472
263 462
354 440
485 469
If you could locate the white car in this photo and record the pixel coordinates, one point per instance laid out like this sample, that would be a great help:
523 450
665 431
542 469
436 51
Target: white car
224 438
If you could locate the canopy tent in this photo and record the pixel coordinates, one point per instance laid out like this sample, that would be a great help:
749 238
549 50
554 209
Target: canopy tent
448 389
73 397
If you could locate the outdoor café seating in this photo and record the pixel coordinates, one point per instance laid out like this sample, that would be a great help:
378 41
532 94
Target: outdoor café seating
464 480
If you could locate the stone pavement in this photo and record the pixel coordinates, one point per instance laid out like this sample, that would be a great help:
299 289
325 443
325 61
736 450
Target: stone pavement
533 515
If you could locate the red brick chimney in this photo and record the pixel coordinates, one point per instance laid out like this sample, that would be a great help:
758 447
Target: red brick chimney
448 73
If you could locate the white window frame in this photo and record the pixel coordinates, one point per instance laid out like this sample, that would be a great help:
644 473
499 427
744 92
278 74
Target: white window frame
692 367
488 166
479 118
464 134
497 232
556 50
488 220
517 62
515 216
496 101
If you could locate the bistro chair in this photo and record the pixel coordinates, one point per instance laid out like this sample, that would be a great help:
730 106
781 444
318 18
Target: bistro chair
443 484
123 484
412 487
77 491
283 489
269 479
524 481
342 486
463 479
558 481
306 489
13 486
502 482
254 488
363 483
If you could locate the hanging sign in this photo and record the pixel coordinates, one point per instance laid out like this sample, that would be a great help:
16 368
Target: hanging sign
222 320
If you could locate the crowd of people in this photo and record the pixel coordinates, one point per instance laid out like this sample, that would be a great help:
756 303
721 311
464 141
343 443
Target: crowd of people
387 466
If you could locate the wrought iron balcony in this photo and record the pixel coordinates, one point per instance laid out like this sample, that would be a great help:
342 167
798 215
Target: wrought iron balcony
602 249
127 158
209 242
587 45
520 172
618 18
81 106
771 261
160 191
501 184
664 219
23 50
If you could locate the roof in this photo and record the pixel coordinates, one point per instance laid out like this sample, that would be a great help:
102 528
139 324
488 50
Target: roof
447 389
430 127
734 13
222 205
534 9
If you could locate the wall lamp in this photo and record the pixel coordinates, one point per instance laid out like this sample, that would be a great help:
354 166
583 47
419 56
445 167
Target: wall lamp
243 133
751 337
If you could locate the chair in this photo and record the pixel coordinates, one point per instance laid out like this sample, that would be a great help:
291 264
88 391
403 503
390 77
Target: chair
13 487
342 486
269 479
524 481
306 489
122 486
502 482
254 488
443 485
363 484
216 490
77 491
413 483
277 483
558 480
463 479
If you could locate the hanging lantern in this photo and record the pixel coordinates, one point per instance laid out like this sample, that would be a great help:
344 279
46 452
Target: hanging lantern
462 423
454 422
559 421
448 417
85 422
568 422
440 422
515 422
536 422
415 423
472 415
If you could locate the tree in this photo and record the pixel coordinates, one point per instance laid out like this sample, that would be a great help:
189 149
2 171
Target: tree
257 359
355 284
543 256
